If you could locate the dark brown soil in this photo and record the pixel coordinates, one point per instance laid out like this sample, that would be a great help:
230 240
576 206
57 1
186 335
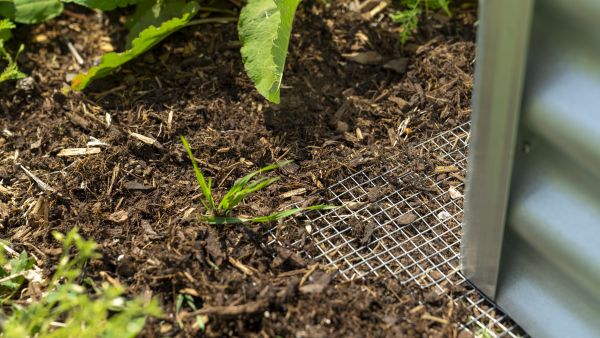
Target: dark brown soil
139 200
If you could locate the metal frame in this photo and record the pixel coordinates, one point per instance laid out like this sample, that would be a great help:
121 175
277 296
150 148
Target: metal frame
503 38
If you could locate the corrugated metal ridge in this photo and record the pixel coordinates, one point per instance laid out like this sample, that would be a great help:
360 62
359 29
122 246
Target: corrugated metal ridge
541 299
555 210
564 107
550 268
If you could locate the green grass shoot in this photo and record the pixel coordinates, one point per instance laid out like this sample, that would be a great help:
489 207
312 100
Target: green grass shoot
221 213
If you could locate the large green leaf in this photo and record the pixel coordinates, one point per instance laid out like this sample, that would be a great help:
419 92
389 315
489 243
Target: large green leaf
147 39
105 5
30 11
152 13
264 28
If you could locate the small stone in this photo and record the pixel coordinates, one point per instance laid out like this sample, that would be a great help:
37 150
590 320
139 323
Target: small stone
444 215
454 193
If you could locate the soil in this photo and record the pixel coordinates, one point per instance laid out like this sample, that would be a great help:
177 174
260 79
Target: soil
352 98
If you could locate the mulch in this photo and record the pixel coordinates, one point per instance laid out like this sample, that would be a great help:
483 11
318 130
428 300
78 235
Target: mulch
352 97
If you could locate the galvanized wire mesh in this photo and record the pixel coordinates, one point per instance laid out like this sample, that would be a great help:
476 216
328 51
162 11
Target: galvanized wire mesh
426 250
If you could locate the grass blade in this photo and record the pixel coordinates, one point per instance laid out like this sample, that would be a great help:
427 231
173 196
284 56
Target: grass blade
241 183
204 186
218 220
287 213
237 198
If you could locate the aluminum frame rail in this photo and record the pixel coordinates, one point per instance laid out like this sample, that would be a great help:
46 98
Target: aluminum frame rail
531 237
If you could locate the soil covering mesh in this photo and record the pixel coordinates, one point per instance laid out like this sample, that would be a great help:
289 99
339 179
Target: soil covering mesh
424 251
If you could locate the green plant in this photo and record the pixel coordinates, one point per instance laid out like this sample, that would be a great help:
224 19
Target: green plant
11 71
264 29
12 274
148 37
183 299
408 18
220 213
68 309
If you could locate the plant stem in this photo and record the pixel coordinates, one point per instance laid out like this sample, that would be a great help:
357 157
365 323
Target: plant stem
211 20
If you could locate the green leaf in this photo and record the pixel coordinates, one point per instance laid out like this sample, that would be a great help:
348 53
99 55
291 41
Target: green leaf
204 186
264 29
105 5
265 219
11 72
5 27
147 39
287 213
17 266
152 13
232 197
30 11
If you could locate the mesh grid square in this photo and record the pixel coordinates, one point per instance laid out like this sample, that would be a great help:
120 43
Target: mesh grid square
416 233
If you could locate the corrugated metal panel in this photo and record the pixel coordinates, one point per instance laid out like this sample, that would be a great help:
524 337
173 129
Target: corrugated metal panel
536 250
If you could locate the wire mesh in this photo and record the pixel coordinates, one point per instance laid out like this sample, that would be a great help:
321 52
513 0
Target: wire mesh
416 232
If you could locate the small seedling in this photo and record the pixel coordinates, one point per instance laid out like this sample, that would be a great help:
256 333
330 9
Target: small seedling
221 213
409 17
11 71
67 308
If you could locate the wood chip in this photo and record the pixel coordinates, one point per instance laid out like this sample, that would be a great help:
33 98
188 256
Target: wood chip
443 169
417 308
41 184
148 230
364 58
135 185
118 217
94 142
354 205
427 316
5 191
359 134
147 140
397 65
319 284
369 228
376 10
407 218
295 192
190 292
78 152
400 102
308 273
247 270
79 121
458 177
